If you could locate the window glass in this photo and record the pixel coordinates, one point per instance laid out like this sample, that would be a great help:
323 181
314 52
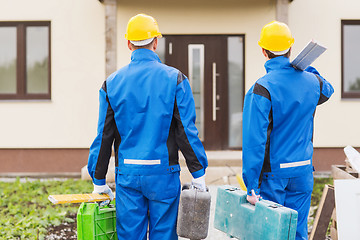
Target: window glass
196 78
37 55
350 58
7 60
235 73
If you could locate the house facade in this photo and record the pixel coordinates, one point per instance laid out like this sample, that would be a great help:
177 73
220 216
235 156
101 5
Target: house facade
55 55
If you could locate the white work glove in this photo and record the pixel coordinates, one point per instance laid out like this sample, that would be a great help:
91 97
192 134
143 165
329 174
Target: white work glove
104 189
253 198
199 183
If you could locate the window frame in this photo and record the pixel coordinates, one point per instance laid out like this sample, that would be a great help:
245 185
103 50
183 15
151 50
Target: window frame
21 61
345 94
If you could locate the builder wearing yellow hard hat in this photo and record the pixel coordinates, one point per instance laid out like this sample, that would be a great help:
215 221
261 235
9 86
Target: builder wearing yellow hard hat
276 39
147 112
141 30
278 120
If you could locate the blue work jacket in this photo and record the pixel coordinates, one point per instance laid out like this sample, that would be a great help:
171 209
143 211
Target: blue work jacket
147 112
278 120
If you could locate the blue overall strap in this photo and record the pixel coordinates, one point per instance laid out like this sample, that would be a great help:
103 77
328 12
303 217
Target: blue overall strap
257 126
186 131
326 90
100 150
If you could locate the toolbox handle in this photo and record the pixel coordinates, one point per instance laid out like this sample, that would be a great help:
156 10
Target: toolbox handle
189 186
231 189
275 205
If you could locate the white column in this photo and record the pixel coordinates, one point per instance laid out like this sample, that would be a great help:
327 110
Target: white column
282 11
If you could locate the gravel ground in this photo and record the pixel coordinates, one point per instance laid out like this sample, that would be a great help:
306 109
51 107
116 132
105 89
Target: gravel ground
63 231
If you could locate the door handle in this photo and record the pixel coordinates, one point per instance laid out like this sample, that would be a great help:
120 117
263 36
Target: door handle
215 97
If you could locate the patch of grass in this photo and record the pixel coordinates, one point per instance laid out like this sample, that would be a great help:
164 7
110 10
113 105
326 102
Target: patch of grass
25 211
319 184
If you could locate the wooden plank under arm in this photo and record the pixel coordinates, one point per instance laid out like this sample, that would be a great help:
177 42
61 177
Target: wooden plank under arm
78 198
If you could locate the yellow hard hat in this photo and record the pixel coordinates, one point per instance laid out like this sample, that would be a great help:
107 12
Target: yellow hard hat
142 27
276 37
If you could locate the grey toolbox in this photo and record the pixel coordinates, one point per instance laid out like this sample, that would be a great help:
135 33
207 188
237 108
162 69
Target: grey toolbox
194 213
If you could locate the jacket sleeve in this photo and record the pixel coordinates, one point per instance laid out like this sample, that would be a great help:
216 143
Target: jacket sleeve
326 89
100 150
186 132
256 132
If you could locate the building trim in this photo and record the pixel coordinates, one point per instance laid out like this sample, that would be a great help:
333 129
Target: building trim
43 160
71 160
282 10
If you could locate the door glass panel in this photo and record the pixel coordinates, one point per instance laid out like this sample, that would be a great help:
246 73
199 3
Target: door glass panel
8 60
235 73
37 56
196 78
161 49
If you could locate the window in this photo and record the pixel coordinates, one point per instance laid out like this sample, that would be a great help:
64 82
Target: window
350 33
25 60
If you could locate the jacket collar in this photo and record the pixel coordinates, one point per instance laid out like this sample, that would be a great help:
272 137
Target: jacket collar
277 63
143 54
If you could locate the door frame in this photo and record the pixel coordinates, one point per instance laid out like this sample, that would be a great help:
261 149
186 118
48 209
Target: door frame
225 104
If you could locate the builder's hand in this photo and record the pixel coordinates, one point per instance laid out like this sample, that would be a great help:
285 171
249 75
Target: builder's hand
199 183
104 189
253 198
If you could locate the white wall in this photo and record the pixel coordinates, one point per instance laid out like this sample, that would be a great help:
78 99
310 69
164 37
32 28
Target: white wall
337 122
204 17
69 119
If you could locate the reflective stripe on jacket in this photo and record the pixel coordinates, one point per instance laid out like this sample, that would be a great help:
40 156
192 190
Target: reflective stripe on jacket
278 122
147 111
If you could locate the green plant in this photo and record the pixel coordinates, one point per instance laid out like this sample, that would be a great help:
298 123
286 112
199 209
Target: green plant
25 211
319 184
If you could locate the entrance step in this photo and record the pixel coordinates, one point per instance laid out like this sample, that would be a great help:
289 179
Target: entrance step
222 167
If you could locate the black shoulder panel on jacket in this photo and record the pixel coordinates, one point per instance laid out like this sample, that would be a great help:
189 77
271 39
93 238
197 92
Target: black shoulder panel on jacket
104 86
183 143
181 77
262 91
266 165
322 97
109 134
171 143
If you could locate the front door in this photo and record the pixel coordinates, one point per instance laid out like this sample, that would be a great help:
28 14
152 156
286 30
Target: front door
205 61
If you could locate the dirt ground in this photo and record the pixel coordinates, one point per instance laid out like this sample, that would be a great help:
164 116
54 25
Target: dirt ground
63 231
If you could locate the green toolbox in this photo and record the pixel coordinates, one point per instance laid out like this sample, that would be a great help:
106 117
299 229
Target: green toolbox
266 220
95 222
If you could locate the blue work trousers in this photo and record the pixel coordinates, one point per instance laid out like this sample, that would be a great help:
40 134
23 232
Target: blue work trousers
147 203
294 193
